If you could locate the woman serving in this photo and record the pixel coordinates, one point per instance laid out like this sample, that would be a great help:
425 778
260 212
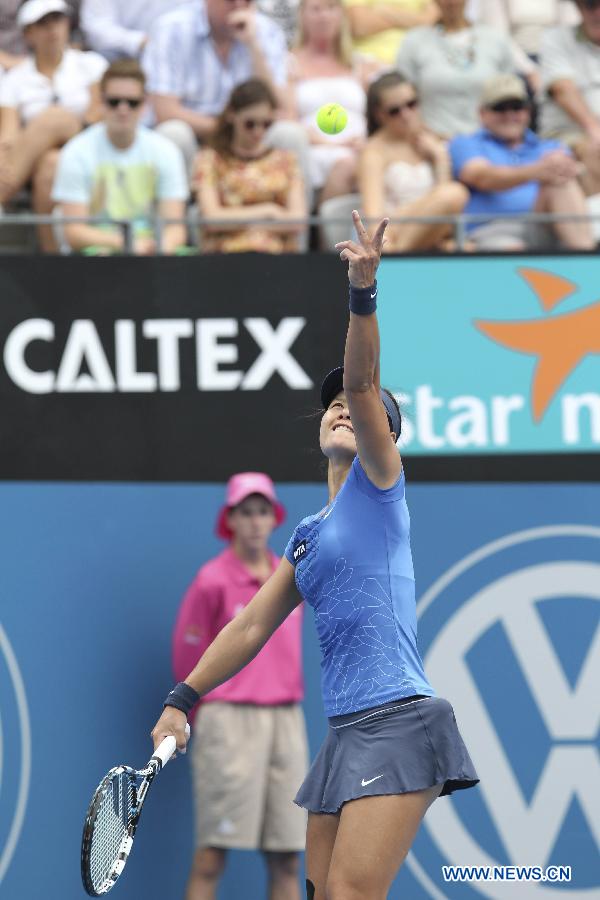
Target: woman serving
393 747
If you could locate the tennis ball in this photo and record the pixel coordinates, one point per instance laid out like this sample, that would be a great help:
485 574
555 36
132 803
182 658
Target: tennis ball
332 118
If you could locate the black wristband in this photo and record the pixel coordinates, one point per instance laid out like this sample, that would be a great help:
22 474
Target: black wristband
363 301
182 697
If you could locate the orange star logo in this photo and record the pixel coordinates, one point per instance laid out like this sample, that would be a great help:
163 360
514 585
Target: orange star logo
560 342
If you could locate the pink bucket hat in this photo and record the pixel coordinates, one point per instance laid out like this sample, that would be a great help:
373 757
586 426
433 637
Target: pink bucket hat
241 486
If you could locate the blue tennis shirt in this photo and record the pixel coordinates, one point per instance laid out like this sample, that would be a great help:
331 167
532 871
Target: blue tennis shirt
353 565
484 145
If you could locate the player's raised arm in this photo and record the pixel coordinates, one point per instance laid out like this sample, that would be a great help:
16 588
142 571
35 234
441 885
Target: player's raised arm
376 447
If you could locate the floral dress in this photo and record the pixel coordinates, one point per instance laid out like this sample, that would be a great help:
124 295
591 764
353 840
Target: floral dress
244 182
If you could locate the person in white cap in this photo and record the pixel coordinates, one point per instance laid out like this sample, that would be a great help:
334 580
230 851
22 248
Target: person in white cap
44 101
509 170
249 751
12 43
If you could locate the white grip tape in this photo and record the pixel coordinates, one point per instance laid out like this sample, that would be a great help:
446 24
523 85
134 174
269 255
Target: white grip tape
166 748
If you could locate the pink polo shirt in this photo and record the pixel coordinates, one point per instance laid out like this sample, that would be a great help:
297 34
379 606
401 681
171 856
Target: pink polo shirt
220 590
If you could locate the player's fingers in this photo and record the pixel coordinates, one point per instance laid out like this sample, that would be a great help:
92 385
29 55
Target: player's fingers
350 256
182 738
348 245
360 228
377 241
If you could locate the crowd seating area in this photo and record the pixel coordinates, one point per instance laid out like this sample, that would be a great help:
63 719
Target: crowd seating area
188 126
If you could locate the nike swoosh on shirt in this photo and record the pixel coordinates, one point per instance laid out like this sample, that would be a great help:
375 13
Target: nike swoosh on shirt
371 780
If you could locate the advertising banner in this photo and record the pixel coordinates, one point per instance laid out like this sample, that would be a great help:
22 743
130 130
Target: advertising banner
170 370
494 355
165 369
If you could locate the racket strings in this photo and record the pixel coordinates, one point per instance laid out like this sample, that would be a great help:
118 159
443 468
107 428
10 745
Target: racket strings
111 827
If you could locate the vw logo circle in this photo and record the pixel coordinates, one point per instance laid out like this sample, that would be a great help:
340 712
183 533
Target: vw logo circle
512 639
15 753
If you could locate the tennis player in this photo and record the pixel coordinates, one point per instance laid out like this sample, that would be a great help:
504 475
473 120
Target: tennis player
393 746
249 750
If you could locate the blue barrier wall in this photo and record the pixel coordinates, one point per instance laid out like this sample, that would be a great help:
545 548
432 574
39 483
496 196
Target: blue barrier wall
508 580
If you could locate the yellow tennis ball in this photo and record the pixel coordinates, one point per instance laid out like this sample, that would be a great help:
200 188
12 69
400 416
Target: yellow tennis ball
332 118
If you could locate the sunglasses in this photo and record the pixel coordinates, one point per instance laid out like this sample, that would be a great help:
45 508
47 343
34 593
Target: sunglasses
132 102
396 110
509 106
251 124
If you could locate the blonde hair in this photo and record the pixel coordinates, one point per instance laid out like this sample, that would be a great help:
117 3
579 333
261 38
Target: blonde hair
344 47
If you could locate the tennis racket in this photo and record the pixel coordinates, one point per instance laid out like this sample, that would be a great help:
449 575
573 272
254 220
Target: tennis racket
112 819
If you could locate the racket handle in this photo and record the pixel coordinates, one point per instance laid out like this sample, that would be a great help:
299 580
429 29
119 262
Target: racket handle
166 749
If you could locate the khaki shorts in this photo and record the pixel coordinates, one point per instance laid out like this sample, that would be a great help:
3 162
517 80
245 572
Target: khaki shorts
247 765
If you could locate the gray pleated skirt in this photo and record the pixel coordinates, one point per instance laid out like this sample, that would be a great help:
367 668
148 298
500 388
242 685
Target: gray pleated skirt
406 745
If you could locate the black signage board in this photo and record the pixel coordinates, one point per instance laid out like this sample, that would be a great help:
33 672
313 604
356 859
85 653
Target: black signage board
166 369
187 369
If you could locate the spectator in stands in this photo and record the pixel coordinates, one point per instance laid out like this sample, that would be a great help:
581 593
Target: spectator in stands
198 53
116 28
570 64
44 101
122 170
509 169
239 177
248 750
523 20
323 66
379 26
12 43
449 63
404 169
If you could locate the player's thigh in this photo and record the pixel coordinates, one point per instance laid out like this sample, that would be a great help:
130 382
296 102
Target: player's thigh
229 755
372 841
284 824
321 832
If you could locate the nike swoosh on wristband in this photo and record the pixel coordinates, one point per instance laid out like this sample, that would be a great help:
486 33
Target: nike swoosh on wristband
373 295
371 780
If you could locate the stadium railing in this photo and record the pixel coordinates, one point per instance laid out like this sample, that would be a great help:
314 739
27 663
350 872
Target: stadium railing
195 222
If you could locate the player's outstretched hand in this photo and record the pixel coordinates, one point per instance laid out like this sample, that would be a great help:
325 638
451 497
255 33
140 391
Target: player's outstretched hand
363 258
172 721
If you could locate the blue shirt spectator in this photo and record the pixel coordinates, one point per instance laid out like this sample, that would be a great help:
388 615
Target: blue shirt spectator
485 145
509 170
120 170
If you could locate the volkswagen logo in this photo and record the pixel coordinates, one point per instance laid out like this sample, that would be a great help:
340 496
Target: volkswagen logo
15 753
511 636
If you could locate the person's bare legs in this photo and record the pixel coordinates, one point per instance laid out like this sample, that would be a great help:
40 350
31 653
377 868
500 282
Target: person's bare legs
207 867
51 129
445 199
41 185
283 870
321 832
567 198
589 154
372 841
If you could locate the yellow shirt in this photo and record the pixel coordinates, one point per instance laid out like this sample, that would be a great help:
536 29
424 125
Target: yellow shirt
384 45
